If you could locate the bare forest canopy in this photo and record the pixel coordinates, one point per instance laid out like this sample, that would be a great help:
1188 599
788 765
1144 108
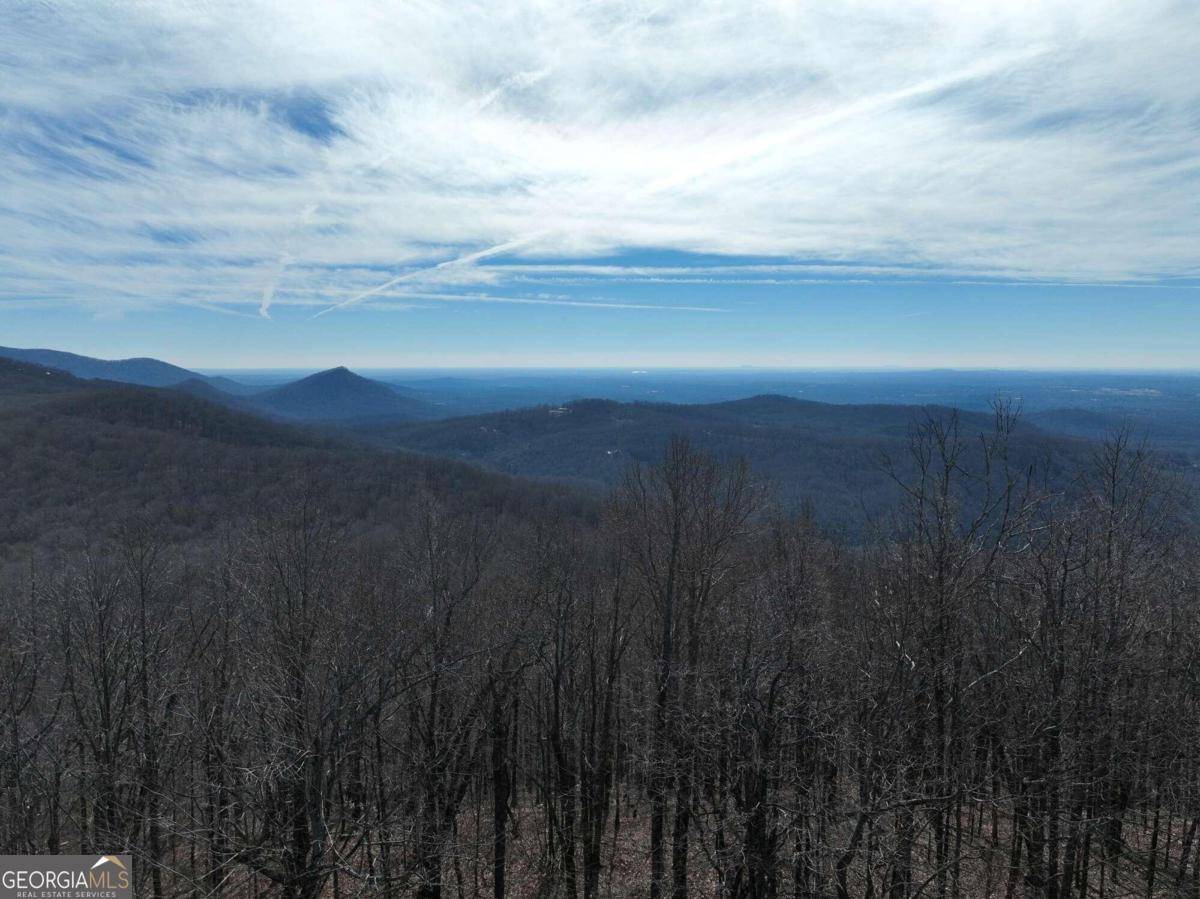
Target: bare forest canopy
270 661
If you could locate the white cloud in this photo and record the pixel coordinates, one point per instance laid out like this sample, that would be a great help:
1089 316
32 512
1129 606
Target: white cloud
253 154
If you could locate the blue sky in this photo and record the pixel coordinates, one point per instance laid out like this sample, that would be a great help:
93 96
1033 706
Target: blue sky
683 184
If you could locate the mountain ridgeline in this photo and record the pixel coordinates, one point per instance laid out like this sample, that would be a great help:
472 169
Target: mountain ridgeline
144 371
336 395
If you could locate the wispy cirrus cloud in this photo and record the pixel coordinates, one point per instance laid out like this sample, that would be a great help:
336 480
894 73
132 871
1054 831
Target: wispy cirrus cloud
250 156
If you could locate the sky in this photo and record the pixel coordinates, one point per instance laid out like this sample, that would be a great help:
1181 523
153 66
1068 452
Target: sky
558 183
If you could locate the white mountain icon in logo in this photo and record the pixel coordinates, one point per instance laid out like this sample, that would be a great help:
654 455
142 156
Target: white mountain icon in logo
107 859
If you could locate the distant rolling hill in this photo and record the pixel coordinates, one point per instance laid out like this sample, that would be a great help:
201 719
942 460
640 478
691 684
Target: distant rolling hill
832 456
339 395
143 371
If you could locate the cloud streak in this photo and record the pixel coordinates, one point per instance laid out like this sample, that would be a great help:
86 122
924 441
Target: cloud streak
805 129
158 153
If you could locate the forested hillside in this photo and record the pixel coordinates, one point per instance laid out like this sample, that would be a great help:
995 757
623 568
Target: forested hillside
268 663
81 457
839 460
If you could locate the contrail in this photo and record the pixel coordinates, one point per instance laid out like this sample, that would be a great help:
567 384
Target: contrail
747 151
810 127
268 294
212 307
552 301
449 263
521 79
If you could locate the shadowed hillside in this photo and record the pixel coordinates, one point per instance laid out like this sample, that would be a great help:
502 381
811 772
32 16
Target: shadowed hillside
80 456
834 457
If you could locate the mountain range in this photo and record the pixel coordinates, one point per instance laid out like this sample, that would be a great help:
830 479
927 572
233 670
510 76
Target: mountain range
837 458
336 395
1163 407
